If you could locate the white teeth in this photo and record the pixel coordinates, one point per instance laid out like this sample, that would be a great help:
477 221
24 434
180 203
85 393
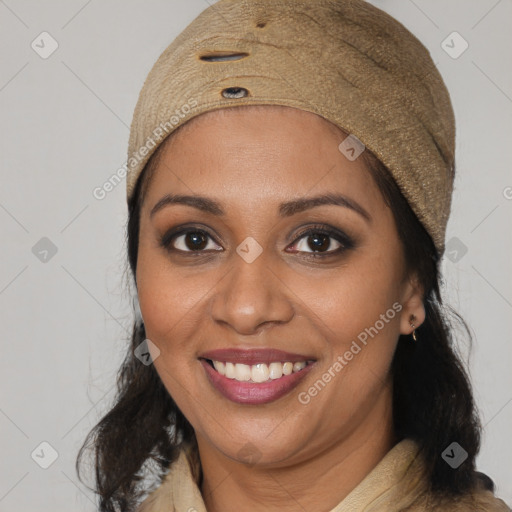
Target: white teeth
287 368
220 367
297 367
230 370
275 370
242 372
260 372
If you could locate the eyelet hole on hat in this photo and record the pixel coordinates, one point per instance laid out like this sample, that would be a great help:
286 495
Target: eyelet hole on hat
261 25
235 92
223 56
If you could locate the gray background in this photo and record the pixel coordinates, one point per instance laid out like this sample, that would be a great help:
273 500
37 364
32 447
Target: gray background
64 131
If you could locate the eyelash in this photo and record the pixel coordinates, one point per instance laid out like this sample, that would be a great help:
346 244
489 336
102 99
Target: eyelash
344 240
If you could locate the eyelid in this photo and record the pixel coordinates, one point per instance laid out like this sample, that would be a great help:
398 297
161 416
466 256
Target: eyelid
337 234
173 233
346 241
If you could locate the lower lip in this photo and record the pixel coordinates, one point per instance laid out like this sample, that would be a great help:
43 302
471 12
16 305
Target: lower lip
252 393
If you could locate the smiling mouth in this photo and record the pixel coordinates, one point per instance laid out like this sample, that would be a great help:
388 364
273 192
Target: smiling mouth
257 373
255 376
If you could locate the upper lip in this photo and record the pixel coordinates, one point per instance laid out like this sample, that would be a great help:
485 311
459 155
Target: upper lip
253 356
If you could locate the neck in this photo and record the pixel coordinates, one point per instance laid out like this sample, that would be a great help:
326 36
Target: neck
230 486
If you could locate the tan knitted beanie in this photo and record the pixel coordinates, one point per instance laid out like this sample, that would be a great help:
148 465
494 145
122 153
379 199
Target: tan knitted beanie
345 60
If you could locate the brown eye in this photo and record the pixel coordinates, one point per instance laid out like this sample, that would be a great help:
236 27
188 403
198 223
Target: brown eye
322 241
195 241
190 240
318 242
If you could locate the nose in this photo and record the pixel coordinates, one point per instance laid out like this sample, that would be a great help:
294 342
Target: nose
251 297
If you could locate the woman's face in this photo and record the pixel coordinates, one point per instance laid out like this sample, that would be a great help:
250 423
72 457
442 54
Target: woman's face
248 285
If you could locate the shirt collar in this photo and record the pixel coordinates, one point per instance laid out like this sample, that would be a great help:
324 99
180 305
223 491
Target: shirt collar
393 484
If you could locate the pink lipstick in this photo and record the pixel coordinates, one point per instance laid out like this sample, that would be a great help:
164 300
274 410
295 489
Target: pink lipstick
255 376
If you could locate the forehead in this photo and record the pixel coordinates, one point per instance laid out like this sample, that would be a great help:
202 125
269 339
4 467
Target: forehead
257 153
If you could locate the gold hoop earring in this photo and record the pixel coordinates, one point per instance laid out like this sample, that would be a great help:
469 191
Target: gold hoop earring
413 327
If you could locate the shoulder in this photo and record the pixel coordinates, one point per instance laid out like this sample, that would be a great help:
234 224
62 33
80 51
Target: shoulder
178 490
480 500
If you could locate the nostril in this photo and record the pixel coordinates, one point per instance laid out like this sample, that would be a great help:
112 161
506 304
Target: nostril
223 56
261 25
235 92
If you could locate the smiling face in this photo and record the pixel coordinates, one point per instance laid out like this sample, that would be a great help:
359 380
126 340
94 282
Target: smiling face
248 267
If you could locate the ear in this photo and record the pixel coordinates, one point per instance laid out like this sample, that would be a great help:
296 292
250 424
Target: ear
413 309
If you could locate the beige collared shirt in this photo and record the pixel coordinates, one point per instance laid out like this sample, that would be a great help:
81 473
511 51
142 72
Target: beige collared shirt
394 485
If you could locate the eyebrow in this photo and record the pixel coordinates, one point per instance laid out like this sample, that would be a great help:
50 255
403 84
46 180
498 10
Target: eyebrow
286 209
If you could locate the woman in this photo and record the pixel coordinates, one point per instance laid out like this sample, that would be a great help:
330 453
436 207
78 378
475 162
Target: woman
291 168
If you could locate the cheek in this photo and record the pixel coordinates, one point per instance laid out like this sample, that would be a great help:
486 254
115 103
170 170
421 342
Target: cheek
167 297
167 301
357 312
356 297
